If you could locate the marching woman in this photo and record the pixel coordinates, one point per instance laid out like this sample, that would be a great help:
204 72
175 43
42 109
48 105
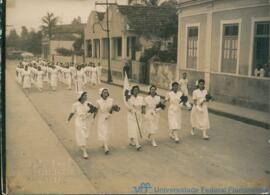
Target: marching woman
54 77
135 106
19 70
152 107
79 78
94 75
68 77
199 114
82 110
99 72
105 109
39 78
174 111
26 78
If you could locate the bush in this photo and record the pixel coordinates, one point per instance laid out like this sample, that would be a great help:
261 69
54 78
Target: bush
64 51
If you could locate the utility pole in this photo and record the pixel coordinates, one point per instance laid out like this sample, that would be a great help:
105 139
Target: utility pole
109 79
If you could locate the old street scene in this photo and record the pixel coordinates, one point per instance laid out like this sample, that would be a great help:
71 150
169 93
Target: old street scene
137 96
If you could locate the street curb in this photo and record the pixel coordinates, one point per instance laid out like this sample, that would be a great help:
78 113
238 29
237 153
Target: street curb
219 113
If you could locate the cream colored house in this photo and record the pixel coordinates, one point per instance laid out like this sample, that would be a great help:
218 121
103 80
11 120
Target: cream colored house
224 41
63 36
125 40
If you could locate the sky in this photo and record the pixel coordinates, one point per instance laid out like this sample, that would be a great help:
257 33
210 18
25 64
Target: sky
29 12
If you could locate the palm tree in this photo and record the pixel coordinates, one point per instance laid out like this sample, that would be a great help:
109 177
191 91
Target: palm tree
49 21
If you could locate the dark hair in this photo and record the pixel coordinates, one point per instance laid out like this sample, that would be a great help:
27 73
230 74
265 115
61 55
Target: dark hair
174 83
103 91
133 88
201 81
82 96
152 86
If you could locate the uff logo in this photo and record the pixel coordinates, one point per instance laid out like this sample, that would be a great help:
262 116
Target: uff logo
142 188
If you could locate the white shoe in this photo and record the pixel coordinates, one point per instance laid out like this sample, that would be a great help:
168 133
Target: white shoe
176 140
138 147
192 132
171 136
188 105
154 143
84 153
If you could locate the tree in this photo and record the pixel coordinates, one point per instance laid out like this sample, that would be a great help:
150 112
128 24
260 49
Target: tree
49 21
13 40
24 38
33 42
77 46
77 20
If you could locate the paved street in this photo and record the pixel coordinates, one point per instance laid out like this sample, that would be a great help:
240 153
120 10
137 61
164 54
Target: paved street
237 155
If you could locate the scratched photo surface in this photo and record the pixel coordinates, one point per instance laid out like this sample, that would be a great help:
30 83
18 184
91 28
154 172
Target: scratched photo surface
199 123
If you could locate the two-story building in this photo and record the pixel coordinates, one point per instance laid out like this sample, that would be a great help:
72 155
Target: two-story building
226 42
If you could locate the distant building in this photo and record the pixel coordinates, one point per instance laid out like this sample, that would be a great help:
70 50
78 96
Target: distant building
127 25
224 42
63 36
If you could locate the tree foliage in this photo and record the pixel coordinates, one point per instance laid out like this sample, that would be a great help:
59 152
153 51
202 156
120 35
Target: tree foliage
27 41
49 21
64 52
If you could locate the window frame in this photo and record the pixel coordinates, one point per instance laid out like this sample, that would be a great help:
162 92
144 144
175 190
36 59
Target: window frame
254 20
221 41
190 25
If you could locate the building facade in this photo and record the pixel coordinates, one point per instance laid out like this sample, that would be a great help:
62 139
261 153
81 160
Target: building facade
125 42
226 42
63 36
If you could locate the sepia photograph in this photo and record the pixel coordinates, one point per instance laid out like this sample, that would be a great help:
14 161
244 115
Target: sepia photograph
135 97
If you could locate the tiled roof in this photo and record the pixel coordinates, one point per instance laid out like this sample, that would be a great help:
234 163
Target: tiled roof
147 18
68 28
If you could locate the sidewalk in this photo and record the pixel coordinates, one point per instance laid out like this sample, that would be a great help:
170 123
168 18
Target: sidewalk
246 115
37 162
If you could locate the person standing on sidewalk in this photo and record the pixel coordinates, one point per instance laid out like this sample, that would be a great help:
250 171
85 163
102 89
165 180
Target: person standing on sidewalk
184 88
105 109
174 111
135 106
82 110
152 108
199 114
126 69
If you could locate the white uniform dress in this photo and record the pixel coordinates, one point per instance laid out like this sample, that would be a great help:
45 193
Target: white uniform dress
174 110
54 77
134 105
152 115
199 117
80 80
81 114
104 118
18 75
26 79
183 84
68 77
94 75
39 79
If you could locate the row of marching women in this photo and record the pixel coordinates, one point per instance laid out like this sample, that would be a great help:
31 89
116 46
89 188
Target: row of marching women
143 114
35 73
